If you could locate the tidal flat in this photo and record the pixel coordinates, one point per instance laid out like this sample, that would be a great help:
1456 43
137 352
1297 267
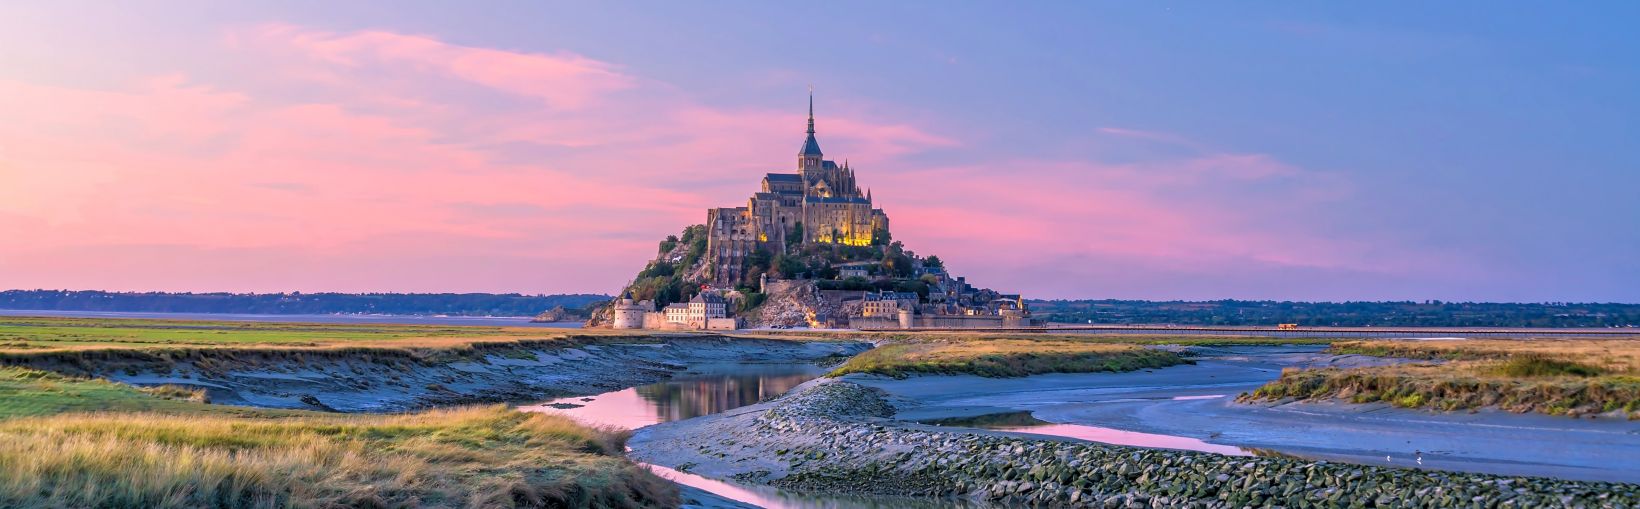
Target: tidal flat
1548 376
938 420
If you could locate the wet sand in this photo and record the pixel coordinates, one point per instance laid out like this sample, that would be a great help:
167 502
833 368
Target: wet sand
1161 402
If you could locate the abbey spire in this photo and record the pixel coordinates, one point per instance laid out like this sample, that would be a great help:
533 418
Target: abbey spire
809 158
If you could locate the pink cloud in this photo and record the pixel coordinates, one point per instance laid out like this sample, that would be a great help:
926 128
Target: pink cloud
1205 215
562 80
376 161
368 180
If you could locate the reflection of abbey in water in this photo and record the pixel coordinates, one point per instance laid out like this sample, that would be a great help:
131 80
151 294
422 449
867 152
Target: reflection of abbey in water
683 399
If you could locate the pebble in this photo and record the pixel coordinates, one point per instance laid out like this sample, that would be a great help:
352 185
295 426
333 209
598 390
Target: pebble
838 421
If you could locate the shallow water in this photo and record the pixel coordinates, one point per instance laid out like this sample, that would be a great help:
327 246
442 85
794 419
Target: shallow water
709 389
1024 422
702 390
1198 401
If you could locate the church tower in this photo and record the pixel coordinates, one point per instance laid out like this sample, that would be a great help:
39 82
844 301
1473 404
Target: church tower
808 159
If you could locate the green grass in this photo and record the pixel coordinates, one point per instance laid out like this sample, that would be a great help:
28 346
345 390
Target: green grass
1004 358
103 347
1537 366
23 334
29 392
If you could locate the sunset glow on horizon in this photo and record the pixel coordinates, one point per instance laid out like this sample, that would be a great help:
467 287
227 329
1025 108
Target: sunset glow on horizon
547 149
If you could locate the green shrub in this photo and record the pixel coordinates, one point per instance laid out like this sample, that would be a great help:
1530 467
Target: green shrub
1537 366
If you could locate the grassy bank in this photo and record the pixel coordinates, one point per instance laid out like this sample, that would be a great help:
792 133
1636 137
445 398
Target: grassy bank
28 392
1555 377
1004 358
75 442
473 457
35 334
69 439
97 347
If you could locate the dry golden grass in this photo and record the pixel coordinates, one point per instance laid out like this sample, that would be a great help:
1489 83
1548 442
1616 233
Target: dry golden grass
1090 337
1004 357
470 457
1556 377
1610 355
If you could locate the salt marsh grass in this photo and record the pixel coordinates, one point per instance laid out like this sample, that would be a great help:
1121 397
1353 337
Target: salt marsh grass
468 457
1004 358
1556 377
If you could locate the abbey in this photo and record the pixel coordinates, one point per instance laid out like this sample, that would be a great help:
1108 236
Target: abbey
819 202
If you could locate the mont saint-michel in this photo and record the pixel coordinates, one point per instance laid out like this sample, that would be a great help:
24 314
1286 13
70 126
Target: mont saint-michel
810 248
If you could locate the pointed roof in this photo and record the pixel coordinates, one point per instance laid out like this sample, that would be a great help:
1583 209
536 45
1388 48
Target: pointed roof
810 147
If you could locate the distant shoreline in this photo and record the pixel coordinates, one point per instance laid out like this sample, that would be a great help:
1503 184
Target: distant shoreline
338 318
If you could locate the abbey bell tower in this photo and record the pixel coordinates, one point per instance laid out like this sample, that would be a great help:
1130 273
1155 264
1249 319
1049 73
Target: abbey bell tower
808 159
820 202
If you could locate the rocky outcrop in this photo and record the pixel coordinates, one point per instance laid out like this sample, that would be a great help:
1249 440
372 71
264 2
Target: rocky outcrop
789 304
800 303
562 314
835 436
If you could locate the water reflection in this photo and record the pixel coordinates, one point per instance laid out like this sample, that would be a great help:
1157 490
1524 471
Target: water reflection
703 390
709 394
1024 422
713 388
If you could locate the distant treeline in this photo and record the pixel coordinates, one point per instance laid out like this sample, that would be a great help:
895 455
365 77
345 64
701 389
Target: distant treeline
453 304
1346 314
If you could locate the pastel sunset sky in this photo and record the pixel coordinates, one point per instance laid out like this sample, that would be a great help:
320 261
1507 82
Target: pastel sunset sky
1192 150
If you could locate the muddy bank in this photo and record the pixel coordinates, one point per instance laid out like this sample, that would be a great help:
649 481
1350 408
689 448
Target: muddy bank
834 435
1198 403
390 380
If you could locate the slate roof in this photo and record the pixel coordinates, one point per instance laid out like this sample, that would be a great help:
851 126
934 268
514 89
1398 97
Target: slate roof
810 147
835 199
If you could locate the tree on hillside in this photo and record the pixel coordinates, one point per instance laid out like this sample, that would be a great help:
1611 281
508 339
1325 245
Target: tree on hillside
786 267
695 237
898 265
880 237
822 269
933 262
794 237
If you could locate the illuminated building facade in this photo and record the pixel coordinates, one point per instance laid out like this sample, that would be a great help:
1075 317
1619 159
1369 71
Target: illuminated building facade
821 200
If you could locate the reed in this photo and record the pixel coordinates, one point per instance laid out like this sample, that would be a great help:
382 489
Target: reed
469 457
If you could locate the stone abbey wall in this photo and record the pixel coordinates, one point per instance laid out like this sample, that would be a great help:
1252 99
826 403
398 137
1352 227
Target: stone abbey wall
823 196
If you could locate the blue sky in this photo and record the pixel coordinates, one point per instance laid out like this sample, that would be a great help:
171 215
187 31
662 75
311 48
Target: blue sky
1453 150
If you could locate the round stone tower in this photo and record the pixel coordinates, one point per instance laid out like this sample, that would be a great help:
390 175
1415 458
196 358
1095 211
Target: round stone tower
629 314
